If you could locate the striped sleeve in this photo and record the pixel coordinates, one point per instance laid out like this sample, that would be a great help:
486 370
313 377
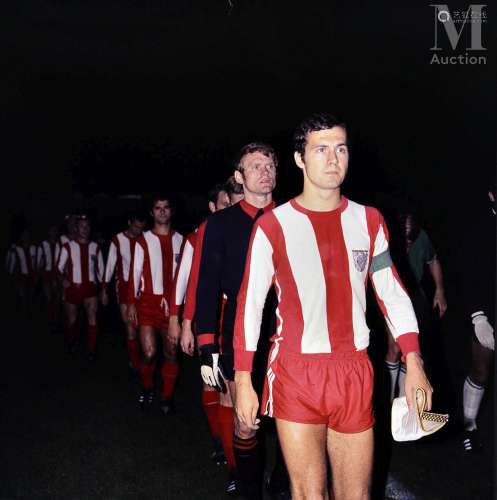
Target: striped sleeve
111 263
191 290
100 265
391 294
136 271
62 260
181 277
257 279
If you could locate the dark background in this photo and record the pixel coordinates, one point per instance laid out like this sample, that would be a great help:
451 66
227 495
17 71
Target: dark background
117 97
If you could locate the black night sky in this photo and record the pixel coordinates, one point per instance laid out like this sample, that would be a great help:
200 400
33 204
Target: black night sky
119 97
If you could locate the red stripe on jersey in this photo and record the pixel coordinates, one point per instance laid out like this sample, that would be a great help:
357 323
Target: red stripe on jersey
191 290
85 262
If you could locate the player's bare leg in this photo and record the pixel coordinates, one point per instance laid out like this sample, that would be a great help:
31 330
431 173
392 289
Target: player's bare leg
90 305
131 338
148 341
304 450
169 370
351 457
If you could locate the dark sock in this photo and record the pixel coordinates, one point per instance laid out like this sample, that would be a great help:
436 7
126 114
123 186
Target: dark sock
248 466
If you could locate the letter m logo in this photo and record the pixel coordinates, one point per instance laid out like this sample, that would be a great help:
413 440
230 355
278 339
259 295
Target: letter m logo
443 17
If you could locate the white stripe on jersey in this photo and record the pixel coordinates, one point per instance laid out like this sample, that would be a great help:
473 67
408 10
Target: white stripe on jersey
305 261
183 273
356 237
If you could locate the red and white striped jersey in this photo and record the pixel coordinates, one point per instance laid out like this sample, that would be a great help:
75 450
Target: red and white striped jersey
82 263
182 276
47 256
121 251
320 263
154 264
10 258
23 262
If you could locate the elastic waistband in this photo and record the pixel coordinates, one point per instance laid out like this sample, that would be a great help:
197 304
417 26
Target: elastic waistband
325 356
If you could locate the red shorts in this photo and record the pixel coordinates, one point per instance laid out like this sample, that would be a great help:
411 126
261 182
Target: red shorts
75 294
333 389
152 311
122 292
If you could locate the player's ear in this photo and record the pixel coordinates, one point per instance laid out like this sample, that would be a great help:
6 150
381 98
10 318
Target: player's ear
238 177
298 160
212 207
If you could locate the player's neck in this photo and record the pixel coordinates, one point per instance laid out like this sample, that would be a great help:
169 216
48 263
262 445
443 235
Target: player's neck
258 200
83 241
128 234
319 200
162 229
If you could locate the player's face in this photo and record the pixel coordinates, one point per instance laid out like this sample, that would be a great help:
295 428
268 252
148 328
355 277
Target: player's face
259 173
83 229
136 228
222 201
161 212
326 158
72 225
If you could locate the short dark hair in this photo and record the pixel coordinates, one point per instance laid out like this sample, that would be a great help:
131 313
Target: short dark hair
255 147
161 196
137 216
214 192
313 123
233 187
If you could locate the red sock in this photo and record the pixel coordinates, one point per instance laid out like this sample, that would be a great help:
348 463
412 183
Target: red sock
147 374
134 353
92 338
169 375
210 403
225 419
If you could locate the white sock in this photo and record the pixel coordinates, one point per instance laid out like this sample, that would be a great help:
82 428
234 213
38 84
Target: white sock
393 370
472 394
402 380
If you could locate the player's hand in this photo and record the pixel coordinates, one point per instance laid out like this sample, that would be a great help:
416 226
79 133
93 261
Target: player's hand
416 378
247 402
483 330
132 314
187 339
440 302
174 329
210 368
104 297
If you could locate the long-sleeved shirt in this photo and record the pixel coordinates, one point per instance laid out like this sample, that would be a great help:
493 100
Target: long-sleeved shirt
82 263
120 256
154 264
47 256
224 249
320 263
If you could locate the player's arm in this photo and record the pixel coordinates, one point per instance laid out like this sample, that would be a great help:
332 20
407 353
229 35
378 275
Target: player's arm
100 265
257 279
180 282
135 276
397 309
207 303
439 300
109 272
62 263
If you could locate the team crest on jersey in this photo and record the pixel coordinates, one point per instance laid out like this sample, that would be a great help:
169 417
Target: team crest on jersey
360 259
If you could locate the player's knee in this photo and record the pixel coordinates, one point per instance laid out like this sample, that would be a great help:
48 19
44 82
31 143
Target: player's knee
393 353
479 375
148 354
